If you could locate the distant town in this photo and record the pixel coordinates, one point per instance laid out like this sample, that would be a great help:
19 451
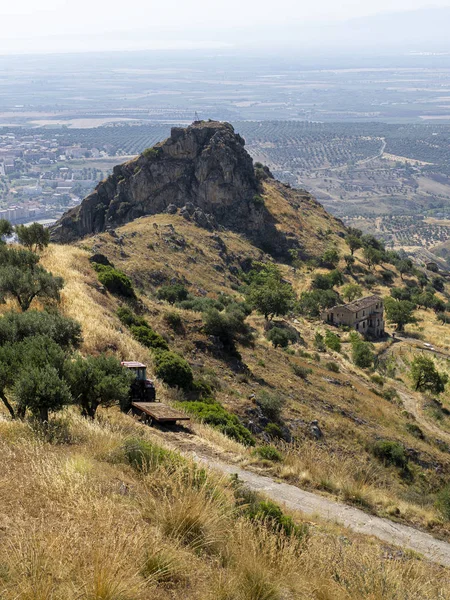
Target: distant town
42 176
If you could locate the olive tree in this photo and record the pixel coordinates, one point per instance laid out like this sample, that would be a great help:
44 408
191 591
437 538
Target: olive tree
34 237
425 376
97 381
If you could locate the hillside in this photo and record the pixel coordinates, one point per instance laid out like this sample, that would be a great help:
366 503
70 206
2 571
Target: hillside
202 171
301 408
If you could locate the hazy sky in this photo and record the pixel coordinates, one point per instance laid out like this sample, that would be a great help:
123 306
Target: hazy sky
60 25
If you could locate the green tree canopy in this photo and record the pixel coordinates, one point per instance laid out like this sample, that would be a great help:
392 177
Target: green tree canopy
6 229
353 242
372 256
23 279
97 381
41 390
425 376
37 354
362 352
269 295
312 303
15 327
399 312
26 285
34 237
351 292
330 258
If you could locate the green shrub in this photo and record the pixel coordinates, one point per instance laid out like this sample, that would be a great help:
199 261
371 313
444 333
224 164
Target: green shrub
390 394
214 414
273 517
362 353
271 405
129 318
200 304
390 453
258 200
115 281
378 379
274 430
175 292
415 430
173 369
144 456
280 337
174 321
300 371
151 152
332 341
228 326
149 338
268 453
202 388
328 281
319 342
332 366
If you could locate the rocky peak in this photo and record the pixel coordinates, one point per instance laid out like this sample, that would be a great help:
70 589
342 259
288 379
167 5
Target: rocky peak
204 167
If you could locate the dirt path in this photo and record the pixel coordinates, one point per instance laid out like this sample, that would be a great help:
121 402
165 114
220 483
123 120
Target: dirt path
413 401
312 504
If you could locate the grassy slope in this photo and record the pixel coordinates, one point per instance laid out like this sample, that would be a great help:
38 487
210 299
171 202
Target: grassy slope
78 522
352 416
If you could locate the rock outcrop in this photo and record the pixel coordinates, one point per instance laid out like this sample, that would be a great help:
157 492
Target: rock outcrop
202 170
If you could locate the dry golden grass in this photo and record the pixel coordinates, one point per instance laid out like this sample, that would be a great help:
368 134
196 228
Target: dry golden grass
351 415
76 522
82 299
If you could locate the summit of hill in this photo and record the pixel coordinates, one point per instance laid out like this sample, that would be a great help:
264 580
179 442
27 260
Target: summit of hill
205 173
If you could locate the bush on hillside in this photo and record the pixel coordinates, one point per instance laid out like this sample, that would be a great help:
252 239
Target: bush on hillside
271 405
330 258
362 353
214 414
175 292
144 456
274 430
332 341
268 453
390 453
332 366
228 326
328 281
173 369
280 337
300 371
149 338
271 515
174 321
129 318
115 281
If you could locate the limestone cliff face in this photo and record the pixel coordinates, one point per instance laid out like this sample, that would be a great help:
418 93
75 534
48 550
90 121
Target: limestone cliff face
203 169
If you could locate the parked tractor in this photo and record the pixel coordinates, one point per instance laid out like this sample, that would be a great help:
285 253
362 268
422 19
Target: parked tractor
142 389
142 401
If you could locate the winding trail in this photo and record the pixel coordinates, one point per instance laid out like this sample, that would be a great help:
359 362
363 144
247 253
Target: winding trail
315 505
357 520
